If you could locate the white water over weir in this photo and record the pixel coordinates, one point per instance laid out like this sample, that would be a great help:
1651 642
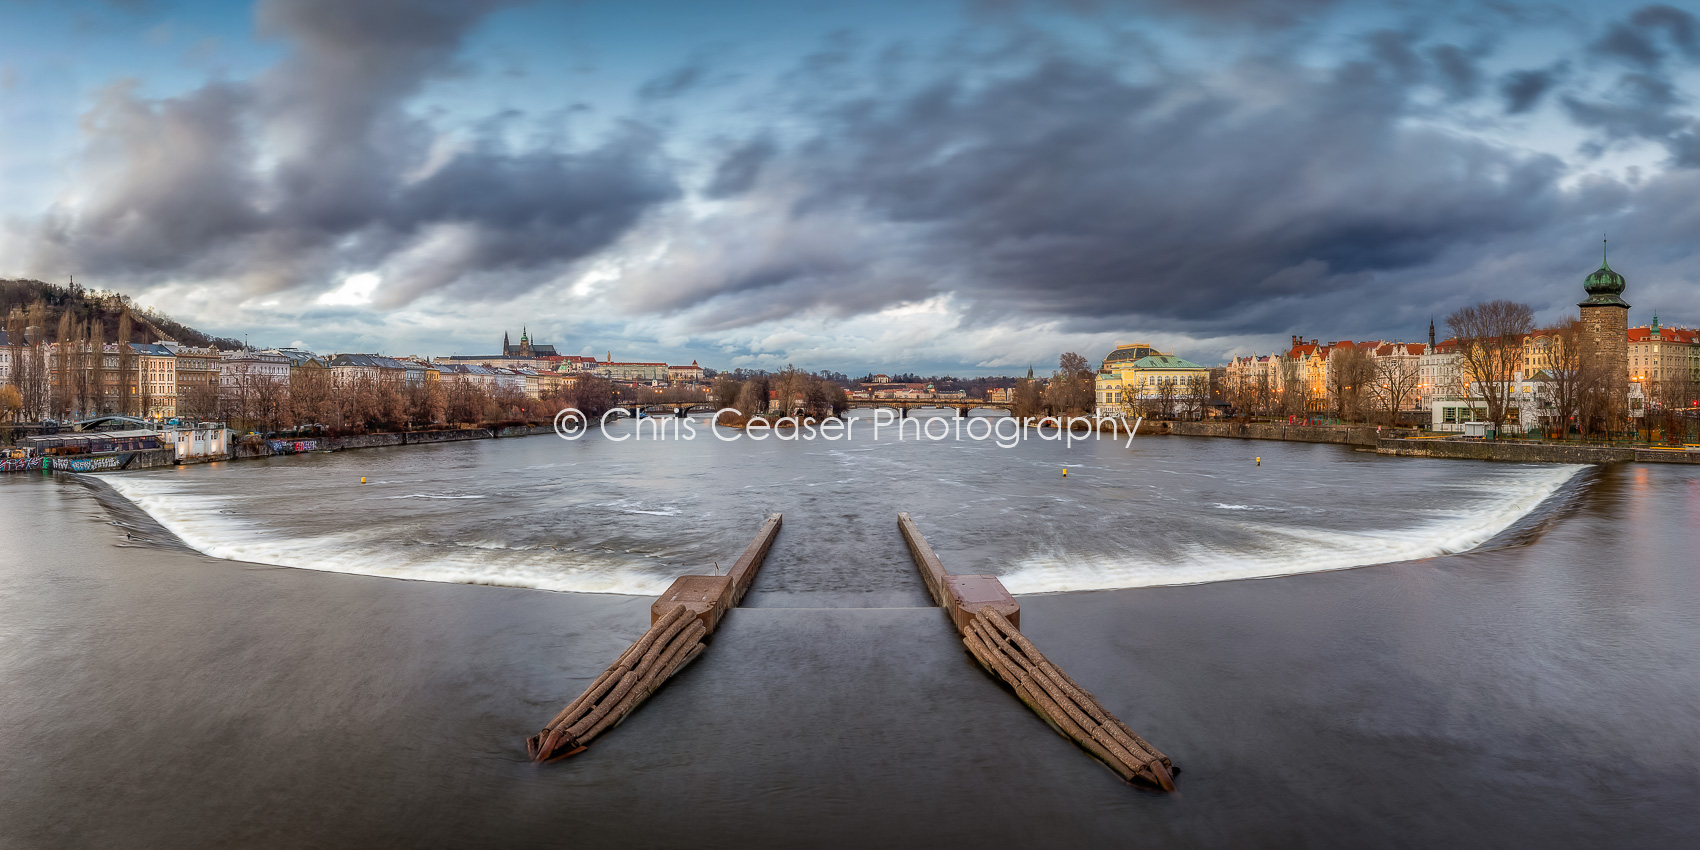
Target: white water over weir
600 516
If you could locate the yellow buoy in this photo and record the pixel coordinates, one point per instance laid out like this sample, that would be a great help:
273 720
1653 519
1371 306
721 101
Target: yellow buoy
362 479
1065 472
1260 461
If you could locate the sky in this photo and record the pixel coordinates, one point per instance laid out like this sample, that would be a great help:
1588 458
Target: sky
940 187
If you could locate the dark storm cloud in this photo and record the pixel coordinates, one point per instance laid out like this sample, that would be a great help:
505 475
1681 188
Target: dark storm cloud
737 172
676 82
1522 90
349 179
1226 14
1457 69
1640 106
1636 40
1068 190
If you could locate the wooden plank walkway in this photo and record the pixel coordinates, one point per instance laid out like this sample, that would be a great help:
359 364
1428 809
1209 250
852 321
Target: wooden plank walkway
687 613
989 619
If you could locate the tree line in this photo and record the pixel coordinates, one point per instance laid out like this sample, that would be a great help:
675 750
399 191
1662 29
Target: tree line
788 392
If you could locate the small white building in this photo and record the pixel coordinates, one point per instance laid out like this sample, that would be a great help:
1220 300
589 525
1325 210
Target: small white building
198 440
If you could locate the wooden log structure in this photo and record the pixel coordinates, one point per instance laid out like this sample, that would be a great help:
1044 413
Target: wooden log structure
687 613
989 619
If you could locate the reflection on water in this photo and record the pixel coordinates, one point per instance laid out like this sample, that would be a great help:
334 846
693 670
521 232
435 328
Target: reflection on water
612 513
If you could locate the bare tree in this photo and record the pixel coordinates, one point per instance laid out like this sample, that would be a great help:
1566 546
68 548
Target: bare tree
1196 396
129 385
1490 343
269 400
752 397
1070 391
36 383
62 389
1571 380
309 395
1350 371
788 388
593 395
464 400
1028 400
11 401
1396 384
1293 392
725 392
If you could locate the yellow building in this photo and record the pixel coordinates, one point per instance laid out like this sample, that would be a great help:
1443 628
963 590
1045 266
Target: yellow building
156 380
1138 380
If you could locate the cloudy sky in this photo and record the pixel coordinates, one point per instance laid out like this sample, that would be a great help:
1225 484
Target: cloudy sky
964 187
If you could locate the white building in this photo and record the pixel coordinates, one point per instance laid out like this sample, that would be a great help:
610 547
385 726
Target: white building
235 368
197 440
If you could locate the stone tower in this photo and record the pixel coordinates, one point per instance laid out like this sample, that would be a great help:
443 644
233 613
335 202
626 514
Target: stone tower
1605 328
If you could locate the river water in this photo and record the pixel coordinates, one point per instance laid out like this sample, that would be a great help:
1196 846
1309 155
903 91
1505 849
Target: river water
1514 665
623 512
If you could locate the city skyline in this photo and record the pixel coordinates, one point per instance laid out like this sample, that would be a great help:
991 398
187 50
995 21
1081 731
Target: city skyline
961 189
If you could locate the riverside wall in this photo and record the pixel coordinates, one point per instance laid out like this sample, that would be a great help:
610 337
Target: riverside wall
268 448
1462 449
257 448
1530 452
1350 435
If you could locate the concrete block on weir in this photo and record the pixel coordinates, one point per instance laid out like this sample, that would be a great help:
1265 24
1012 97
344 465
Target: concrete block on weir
706 597
968 595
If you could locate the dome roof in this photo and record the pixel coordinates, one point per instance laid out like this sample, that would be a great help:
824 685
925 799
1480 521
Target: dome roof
1604 281
1129 352
1604 286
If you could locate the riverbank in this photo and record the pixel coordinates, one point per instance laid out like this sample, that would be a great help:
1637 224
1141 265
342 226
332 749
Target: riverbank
1388 442
1541 694
258 448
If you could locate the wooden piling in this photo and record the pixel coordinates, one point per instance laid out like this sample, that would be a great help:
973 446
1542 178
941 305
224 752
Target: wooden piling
687 613
988 618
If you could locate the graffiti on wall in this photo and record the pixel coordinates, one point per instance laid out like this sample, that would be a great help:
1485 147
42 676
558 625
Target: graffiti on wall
284 447
100 463
94 464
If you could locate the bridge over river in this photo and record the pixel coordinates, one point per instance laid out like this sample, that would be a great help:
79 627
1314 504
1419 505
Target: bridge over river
902 406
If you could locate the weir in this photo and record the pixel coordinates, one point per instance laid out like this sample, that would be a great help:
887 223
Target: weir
989 619
687 613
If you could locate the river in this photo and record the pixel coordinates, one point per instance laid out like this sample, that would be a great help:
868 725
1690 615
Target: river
223 655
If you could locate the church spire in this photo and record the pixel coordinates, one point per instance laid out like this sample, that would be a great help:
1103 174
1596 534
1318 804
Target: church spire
1431 333
1604 244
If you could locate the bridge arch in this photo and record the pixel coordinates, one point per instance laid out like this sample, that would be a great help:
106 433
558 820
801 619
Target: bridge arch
128 422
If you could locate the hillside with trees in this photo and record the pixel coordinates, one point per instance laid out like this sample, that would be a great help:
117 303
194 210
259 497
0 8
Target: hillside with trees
94 307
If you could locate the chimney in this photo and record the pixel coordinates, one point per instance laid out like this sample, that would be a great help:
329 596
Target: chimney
1313 342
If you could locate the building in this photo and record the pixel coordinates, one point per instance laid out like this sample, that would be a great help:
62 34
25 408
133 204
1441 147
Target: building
1126 352
198 440
239 368
1664 359
1440 373
526 353
156 380
526 350
1605 328
348 369
473 374
1153 385
630 370
692 374
570 363
198 375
